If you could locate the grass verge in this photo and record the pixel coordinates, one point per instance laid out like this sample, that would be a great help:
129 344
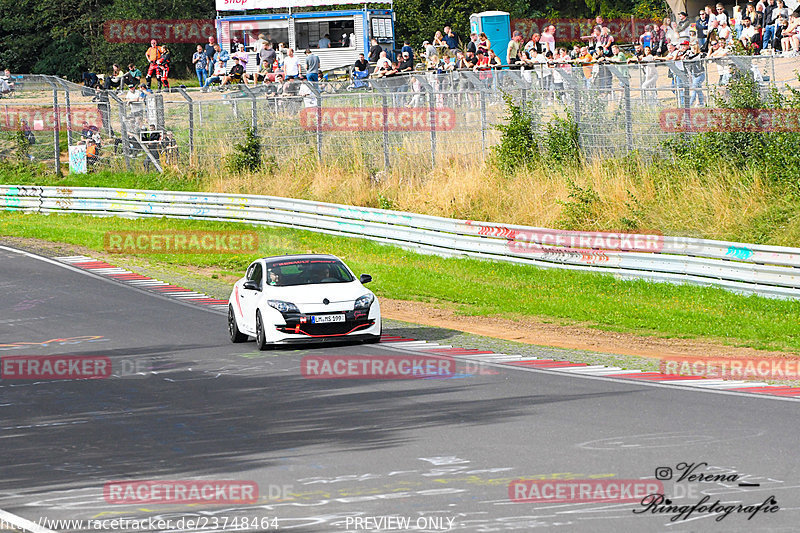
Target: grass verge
475 287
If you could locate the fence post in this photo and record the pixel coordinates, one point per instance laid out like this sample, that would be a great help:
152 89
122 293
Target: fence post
123 129
431 107
577 113
319 126
254 117
56 133
190 103
772 78
68 117
483 122
385 100
628 115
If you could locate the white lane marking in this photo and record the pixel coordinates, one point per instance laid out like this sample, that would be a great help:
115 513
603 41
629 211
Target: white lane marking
109 270
23 524
591 369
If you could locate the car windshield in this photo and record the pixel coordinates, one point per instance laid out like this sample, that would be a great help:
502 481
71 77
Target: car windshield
306 272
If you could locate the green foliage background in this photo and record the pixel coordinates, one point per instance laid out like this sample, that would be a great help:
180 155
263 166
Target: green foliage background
65 37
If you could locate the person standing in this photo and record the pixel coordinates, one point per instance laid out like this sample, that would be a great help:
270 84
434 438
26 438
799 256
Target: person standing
210 50
450 38
267 56
769 25
375 51
312 66
152 55
291 65
162 70
514 45
548 39
200 65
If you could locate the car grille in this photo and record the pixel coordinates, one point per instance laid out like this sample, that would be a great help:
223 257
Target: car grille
333 328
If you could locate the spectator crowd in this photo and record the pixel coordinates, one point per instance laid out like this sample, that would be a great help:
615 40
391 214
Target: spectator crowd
763 27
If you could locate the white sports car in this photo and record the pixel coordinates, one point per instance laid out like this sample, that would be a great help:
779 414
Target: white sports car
302 298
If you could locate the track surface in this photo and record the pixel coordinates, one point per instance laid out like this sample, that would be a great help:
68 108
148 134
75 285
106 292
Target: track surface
325 450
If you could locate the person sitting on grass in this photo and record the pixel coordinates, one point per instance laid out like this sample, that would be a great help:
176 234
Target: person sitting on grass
114 79
133 76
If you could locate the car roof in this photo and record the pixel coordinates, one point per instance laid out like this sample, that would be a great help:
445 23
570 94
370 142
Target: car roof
295 257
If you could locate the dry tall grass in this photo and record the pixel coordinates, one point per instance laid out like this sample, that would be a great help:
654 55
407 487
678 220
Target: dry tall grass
631 195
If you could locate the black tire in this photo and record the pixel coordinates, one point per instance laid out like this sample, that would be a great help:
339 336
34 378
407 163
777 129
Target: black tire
261 337
233 329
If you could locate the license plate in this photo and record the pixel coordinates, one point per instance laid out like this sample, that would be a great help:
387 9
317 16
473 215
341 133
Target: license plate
324 319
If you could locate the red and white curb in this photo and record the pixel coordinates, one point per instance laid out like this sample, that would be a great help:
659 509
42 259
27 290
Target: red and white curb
143 282
567 367
519 361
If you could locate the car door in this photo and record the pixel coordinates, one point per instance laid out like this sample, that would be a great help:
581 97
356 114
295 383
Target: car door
248 298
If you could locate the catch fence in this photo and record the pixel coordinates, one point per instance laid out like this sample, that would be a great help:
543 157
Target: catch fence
415 120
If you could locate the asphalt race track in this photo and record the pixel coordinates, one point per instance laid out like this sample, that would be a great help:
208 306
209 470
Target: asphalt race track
440 452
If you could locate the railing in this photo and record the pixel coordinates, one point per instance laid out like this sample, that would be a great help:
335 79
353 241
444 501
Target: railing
765 270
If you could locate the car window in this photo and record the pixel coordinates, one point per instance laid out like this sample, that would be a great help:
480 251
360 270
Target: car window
307 272
255 272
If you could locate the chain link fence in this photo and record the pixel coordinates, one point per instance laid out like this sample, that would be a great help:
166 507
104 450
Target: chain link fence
419 119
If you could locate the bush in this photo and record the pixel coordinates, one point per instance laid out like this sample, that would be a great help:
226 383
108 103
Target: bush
561 140
772 153
518 147
246 156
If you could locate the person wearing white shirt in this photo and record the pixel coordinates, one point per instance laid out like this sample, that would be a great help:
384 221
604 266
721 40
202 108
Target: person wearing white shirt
291 65
722 16
383 62
747 33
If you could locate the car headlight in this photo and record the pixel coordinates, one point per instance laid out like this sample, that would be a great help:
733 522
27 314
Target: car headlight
283 307
364 302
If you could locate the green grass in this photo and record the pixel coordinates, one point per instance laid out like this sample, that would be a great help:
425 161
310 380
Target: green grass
477 287
24 174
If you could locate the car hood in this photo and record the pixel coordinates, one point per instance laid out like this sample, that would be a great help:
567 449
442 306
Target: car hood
314 294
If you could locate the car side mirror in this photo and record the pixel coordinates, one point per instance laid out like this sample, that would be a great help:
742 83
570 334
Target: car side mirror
365 278
252 285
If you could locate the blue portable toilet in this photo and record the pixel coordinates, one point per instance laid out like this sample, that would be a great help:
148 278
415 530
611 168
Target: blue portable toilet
497 27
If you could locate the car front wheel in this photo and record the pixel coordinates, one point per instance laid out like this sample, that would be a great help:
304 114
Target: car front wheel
261 336
233 329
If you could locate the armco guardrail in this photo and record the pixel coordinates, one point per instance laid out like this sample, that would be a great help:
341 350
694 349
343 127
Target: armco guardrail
766 270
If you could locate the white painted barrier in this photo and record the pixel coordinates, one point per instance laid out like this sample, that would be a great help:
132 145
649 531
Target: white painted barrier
766 270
